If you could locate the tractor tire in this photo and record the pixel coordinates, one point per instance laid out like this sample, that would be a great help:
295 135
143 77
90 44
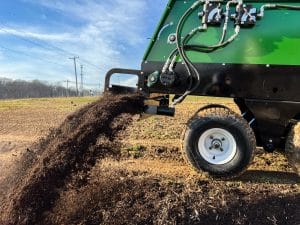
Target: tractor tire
220 142
292 148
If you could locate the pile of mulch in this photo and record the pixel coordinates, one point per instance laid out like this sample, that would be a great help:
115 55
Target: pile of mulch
61 180
118 196
67 152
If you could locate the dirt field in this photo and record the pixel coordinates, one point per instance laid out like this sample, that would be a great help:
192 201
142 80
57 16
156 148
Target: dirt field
22 122
149 182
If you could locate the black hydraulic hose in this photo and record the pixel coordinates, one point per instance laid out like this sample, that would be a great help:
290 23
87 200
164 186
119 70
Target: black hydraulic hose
183 47
192 66
181 50
200 48
191 89
206 49
178 37
189 67
197 49
188 64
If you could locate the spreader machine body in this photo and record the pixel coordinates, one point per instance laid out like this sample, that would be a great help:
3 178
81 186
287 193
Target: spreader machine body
245 50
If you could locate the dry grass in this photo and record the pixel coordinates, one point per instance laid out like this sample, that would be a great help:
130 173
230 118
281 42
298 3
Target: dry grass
29 119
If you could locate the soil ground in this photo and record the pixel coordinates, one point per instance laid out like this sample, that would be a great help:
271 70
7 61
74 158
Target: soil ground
23 122
150 183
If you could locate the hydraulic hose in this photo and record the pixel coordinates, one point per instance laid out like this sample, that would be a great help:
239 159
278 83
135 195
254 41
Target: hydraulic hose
182 47
178 33
188 64
191 69
276 6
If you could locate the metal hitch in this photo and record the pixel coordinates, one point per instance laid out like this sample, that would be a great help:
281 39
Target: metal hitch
153 106
119 89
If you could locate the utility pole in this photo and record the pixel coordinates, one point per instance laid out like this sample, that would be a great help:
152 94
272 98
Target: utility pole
81 74
119 82
67 81
75 67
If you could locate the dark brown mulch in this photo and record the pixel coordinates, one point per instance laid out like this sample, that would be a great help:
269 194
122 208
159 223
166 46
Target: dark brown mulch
85 137
61 180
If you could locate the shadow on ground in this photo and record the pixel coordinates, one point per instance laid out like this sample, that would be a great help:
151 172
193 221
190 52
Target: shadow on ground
272 177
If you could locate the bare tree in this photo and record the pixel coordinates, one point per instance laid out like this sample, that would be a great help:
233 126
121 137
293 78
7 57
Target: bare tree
35 89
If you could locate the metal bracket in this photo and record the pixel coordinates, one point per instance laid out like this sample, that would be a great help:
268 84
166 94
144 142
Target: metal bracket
124 89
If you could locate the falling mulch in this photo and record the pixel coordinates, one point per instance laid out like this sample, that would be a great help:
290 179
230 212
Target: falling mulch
85 137
63 180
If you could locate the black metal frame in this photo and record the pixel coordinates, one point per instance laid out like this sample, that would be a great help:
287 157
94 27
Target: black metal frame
268 95
124 89
265 82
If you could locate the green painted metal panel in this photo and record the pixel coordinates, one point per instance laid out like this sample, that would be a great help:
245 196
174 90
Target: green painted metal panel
275 39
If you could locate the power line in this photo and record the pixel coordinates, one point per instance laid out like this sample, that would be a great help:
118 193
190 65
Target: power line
30 56
75 67
24 39
29 41
45 44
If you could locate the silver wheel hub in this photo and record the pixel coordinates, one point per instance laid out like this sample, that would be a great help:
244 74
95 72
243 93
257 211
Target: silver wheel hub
217 146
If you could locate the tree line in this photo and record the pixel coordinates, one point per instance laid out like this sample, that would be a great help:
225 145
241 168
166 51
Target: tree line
13 89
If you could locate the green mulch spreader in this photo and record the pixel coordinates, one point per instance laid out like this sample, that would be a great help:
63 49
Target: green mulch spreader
245 50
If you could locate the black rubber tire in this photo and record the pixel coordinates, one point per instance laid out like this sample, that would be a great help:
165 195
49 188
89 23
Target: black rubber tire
292 148
218 117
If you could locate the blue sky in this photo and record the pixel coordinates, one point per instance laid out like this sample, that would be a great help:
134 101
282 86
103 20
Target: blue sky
38 36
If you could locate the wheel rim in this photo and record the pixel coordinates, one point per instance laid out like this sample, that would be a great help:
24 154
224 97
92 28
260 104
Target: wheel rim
217 146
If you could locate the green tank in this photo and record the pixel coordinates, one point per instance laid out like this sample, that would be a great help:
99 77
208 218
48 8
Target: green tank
272 41
245 50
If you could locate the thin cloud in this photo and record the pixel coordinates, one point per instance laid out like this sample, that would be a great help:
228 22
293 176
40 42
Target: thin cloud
110 34
37 35
117 20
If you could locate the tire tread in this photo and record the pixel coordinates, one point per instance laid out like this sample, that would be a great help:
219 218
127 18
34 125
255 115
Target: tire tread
221 113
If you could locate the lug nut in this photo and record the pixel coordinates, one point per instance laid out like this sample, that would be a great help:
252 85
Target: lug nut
217 146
